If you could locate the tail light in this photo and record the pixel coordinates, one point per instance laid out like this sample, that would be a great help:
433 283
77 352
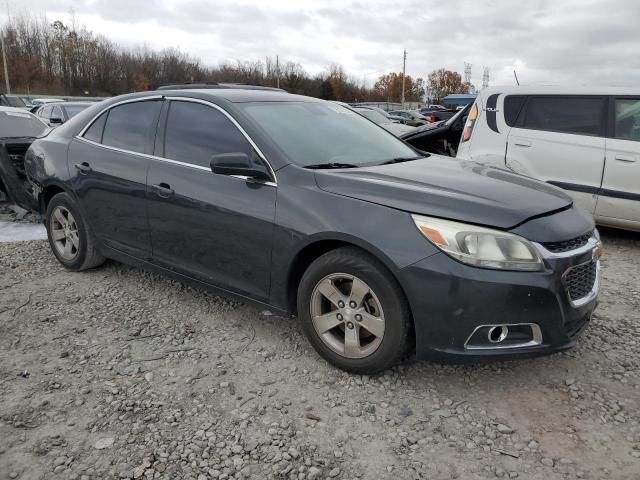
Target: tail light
471 121
432 118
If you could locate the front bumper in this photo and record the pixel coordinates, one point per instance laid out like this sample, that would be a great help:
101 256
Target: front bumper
454 304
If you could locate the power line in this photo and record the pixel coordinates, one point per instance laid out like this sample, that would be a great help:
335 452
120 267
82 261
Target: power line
485 77
467 72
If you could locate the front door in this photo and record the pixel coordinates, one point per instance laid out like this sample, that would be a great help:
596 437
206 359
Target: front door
560 140
109 169
215 228
620 194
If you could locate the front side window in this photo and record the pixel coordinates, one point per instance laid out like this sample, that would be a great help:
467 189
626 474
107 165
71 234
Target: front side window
565 114
313 133
628 119
128 126
195 132
57 112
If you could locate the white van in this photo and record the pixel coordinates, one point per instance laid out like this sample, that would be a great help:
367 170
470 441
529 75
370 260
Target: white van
585 141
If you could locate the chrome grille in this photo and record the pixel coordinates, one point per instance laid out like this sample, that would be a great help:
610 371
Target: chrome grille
568 245
580 280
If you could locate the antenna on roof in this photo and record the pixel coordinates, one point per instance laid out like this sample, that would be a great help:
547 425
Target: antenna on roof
516 75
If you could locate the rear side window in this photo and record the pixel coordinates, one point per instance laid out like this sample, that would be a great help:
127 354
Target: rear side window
628 119
196 132
512 106
94 133
128 126
565 114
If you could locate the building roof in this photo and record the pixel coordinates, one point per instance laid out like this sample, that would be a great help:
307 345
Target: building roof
460 96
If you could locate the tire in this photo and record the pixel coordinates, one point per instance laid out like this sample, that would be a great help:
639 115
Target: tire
83 253
365 352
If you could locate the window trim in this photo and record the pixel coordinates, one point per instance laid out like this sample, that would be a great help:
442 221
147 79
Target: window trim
80 136
604 120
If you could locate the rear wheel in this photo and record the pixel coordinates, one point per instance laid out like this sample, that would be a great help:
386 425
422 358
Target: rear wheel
353 311
70 237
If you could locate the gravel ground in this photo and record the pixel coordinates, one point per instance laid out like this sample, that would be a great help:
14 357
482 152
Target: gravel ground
118 373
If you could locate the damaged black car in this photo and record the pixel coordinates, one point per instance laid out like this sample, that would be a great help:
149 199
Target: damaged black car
442 137
18 129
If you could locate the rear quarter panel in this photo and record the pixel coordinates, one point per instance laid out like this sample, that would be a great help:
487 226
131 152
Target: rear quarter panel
489 138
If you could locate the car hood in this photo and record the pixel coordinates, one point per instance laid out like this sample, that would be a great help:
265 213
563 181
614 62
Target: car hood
398 129
448 188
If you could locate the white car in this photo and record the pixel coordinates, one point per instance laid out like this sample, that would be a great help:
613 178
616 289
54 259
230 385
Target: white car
586 141
385 122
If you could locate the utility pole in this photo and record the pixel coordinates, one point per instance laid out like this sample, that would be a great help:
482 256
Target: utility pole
404 67
277 71
4 61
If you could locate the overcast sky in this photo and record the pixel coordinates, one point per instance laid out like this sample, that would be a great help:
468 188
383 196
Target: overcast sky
584 42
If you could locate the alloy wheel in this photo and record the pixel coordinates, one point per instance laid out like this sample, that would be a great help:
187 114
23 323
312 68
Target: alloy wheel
347 315
64 233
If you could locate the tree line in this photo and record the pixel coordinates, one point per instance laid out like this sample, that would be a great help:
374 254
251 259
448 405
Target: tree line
67 59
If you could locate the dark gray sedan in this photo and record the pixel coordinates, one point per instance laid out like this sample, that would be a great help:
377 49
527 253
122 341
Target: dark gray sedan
306 208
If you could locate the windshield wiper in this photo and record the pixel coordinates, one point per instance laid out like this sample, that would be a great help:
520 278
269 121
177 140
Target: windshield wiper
399 160
316 166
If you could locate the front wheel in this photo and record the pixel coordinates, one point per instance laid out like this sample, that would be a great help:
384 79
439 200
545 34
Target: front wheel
71 239
353 311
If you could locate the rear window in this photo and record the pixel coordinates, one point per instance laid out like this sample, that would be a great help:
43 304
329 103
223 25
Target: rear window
94 133
128 126
628 119
565 114
512 106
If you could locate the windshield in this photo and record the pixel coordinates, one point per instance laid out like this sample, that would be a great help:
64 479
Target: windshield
372 115
73 110
320 133
18 124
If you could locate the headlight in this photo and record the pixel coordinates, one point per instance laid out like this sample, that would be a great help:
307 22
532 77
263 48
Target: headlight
478 246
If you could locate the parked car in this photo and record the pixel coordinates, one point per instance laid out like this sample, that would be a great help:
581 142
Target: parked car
18 128
434 115
434 106
374 246
411 118
442 137
12 101
54 114
384 121
586 141
37 103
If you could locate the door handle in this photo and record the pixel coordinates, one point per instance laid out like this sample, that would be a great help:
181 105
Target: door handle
625 158
163 190
522 143
83 168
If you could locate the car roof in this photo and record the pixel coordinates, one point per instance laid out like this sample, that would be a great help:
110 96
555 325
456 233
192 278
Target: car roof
235 95
558 90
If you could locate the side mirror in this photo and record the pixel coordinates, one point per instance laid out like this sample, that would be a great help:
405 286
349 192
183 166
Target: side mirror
238 163
55 121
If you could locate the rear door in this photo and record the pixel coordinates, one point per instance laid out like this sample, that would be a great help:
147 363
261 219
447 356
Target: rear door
560 139
620 195
109 162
